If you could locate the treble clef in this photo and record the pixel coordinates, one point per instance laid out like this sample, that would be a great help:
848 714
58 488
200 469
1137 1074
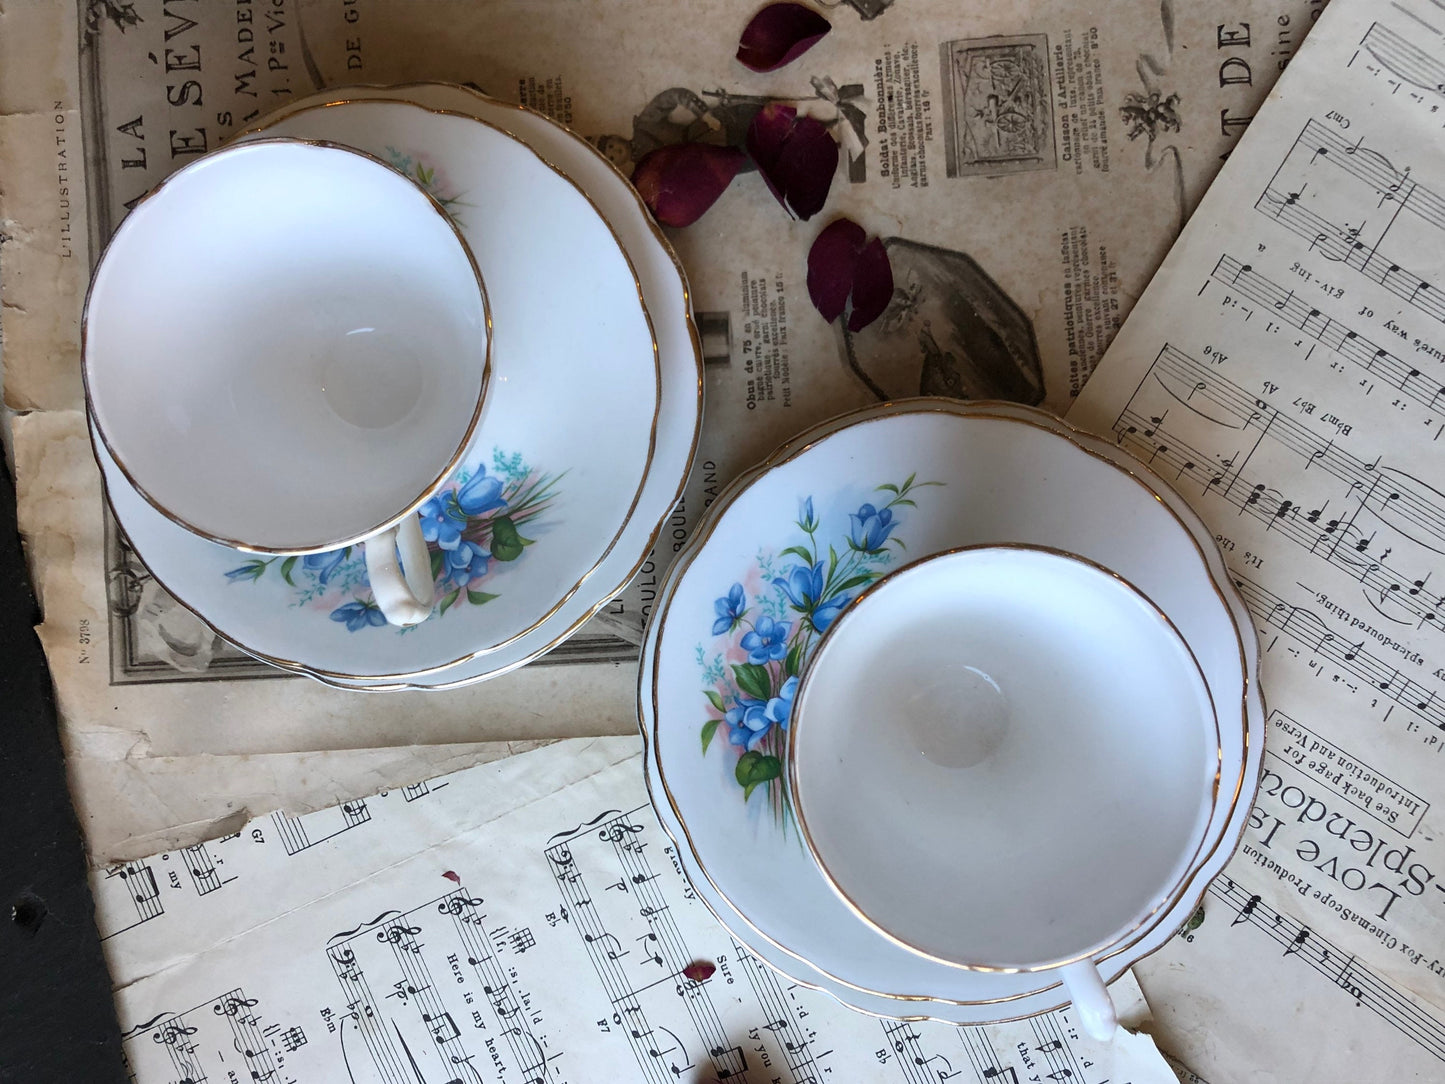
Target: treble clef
455 905
230 1006
395 934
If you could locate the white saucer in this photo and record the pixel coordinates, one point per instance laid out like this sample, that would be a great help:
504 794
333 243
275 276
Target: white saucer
754 875
665 290
454 153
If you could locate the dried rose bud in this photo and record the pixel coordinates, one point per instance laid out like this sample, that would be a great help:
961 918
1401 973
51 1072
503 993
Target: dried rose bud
844 266
680 182
797 157
779 34
699 970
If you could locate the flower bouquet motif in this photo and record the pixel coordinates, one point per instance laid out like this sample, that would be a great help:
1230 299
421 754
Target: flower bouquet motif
471 526
764 633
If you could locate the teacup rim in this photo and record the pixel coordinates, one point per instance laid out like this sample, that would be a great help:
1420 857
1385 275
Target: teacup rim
1162 902
98 431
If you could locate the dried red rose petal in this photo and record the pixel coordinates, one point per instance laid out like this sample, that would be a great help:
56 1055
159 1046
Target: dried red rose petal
699 970
844 267
872 285
779 34
451 875
680 182
797 157
831 261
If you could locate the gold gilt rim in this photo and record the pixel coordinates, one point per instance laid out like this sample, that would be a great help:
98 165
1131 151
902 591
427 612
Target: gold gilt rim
324 674
1164 901
981 408
179 520
695 342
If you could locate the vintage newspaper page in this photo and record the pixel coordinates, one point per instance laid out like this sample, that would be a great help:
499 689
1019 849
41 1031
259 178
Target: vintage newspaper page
1027 163
522 922
1286 372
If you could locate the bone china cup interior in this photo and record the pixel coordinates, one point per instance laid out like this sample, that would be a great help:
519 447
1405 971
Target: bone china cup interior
1004 758
286 346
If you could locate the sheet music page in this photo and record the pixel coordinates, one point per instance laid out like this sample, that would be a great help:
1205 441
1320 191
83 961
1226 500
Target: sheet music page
525 921
1286 373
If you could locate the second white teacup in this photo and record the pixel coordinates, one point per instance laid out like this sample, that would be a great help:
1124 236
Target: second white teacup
287 346
1004 758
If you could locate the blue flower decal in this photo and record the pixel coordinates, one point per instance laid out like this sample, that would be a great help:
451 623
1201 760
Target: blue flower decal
808 522
324 564
767 641
870 528
729 609
358 615
439 525
250 571
780 708
750 683
466 563
804 589
481 494
748 723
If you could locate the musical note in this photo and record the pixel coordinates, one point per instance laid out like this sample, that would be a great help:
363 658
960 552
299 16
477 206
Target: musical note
1299 941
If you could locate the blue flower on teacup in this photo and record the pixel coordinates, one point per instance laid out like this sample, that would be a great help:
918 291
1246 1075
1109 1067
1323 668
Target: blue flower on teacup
766 641
358 614
467 562
729 609
324 564
870 528
803 587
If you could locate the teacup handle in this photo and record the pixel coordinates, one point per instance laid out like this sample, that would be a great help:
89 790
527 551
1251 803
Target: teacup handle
404 598
1091 999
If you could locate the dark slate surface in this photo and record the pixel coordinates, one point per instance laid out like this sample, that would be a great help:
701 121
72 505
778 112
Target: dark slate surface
57 1022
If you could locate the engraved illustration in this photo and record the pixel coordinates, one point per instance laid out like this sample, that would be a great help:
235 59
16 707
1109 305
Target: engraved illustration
998 109
950 330
680 115
1153 114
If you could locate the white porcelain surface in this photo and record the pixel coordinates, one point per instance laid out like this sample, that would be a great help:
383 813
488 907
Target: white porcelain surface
286 345
1242 753
561 368
1004 481
666 293
1003 757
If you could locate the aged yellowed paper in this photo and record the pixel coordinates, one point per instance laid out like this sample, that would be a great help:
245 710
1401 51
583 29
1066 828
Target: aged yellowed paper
1285 371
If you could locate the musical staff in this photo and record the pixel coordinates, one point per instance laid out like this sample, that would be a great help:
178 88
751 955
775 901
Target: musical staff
299 833
781 1008
219 1039
1372 358
1333 525
203 871
1355 981
1306 627
1409 62
527 1047
144 892
1351 231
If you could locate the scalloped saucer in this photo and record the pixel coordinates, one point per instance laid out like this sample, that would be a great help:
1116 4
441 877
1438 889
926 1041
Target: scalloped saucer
597 357
1008 473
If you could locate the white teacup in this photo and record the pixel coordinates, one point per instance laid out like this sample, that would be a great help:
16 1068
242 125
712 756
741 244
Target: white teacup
1004 758
286 350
